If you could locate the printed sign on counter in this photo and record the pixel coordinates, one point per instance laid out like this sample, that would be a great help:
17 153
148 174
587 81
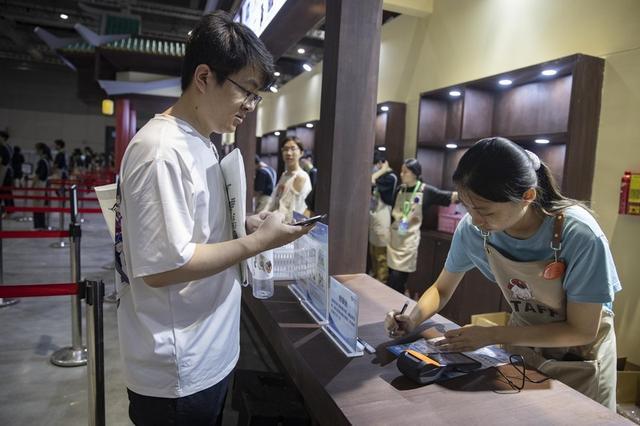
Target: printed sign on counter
343 319
311 285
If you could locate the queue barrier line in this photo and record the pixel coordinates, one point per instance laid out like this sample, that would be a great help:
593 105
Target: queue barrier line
39 290
47 189
5 235
44 197
17 209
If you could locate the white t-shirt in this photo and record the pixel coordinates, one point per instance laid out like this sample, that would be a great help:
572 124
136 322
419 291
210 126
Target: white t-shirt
183 338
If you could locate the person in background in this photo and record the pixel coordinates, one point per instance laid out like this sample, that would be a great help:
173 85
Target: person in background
76 161
412 201
42 173
548 256
60 165
16 164
306 162
263 184
383 188
294 185
89 158
6 171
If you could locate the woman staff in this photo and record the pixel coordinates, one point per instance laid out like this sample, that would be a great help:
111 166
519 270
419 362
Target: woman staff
548 256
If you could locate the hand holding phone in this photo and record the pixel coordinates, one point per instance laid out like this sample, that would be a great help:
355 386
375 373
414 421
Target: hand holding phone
310 221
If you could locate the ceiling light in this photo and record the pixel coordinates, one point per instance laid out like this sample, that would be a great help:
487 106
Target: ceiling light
382 148
384 108
451 145
64 16
301 50
307 67
276 74
189 33
542 141
274 89
277 133
505 82
549 72
455 93
309 125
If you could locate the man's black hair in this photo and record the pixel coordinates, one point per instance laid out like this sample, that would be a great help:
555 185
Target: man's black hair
4 134
59 142
226 47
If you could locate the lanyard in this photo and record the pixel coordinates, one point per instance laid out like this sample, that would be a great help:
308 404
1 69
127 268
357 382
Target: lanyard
406 206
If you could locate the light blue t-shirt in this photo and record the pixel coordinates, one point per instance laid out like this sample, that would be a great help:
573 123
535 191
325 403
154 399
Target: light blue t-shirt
591 275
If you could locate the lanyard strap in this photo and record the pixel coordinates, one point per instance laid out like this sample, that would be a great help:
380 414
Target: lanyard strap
406 207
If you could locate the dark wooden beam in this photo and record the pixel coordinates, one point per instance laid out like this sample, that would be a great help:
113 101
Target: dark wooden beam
394 134
291 24
346 129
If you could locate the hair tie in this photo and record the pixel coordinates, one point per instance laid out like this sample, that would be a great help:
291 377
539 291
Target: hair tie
535 160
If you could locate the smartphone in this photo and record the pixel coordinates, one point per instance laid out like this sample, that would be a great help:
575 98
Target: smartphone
310 221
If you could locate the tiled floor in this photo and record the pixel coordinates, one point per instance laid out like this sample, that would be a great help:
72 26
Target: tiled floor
32 390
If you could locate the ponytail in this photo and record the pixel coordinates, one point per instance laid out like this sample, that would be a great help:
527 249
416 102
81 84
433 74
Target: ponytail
549 199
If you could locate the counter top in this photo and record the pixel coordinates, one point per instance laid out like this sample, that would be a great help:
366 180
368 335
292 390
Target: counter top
370 390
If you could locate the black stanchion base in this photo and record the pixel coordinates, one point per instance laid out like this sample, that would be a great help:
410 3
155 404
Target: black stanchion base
8 302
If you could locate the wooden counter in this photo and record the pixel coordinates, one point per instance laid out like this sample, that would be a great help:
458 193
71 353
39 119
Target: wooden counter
370 390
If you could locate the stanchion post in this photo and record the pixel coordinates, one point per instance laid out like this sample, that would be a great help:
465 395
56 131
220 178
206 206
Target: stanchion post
3 302
75 355
95 343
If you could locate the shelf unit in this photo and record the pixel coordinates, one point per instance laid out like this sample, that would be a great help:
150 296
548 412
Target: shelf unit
563 108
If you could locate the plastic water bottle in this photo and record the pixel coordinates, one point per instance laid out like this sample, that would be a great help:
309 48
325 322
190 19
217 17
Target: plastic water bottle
262 270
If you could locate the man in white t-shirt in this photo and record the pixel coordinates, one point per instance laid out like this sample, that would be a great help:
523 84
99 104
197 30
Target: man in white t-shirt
179 304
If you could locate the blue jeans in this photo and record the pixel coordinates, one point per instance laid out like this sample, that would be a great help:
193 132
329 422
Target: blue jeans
203 408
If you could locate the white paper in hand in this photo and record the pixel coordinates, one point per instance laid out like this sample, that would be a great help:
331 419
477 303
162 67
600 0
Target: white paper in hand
233 172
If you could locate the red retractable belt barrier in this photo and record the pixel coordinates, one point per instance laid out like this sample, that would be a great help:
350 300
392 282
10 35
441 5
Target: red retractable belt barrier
13 209
33 234
38 290
48 189
43 197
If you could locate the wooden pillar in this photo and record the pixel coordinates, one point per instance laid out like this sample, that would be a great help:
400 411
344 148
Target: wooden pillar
347 128
394 135
122 130
246 142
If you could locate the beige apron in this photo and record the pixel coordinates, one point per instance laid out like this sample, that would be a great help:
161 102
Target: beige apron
402 251
379 221
536 300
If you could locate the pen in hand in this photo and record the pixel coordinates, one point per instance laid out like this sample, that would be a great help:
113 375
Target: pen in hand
404 308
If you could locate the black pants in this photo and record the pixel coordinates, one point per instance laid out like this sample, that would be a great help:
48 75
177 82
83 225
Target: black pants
398 280
203 408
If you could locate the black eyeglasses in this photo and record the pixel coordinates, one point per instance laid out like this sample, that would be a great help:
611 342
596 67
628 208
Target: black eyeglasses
252 100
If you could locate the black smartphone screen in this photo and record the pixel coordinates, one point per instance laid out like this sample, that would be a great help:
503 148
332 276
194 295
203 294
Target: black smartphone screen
310 221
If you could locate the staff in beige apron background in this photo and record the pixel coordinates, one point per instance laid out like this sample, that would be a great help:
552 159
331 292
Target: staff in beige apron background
550 259
413 199
383 189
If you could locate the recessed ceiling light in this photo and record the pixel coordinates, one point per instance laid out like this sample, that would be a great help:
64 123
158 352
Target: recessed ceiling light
277 133
549 72
505 82
382 148
64 16
274 88
301 50
455 93
307 67
276 74
451 145
542 141
309 125
384 108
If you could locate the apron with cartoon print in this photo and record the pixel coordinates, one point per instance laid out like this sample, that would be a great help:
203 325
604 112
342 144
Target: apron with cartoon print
538 297
402 251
